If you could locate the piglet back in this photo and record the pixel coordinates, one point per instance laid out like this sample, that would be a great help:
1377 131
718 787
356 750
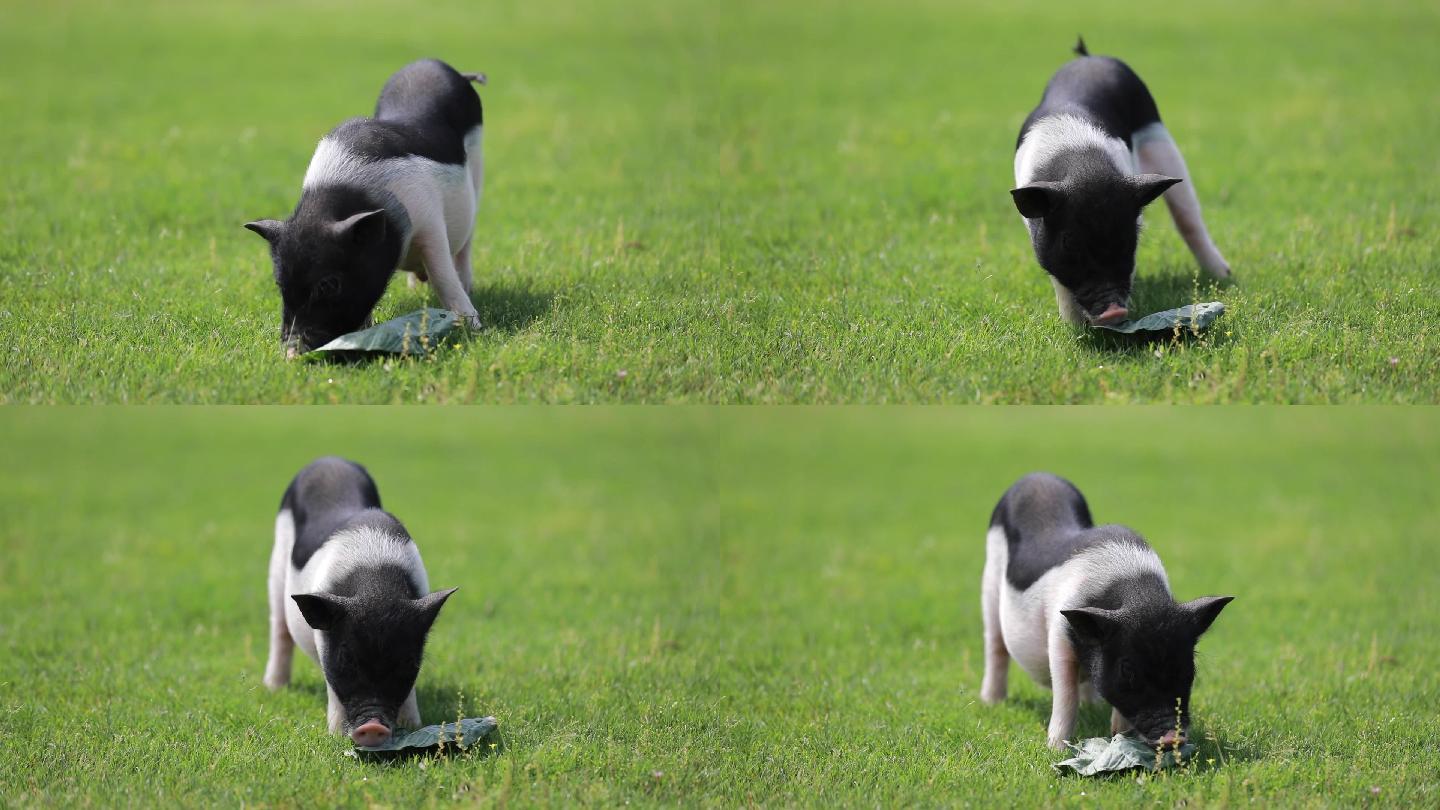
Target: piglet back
431 94
324 496
1041 504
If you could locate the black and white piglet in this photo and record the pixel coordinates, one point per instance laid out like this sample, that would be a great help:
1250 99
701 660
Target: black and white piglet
347 585
1087 611
1089 158
398 190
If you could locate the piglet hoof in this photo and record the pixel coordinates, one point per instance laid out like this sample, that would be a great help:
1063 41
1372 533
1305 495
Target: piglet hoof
472 322
1218 267
991 694
274 681
1055 743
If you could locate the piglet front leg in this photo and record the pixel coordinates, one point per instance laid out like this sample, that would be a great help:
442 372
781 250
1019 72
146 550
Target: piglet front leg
409 716
1156 152
1065 686
1118 723
334 712
440 266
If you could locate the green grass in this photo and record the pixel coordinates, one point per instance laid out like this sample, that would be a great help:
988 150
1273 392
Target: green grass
712 608
721 202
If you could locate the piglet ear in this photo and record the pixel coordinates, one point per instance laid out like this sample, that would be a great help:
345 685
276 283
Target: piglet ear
1038 199
322 611
270 229
1090 624
365 229
1150 186
1204 610
430 604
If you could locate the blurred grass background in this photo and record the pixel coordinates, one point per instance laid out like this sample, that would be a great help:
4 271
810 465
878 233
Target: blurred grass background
746 201
711 607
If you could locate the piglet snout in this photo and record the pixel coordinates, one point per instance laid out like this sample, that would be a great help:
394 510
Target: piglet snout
372 732
1171 739
1112 314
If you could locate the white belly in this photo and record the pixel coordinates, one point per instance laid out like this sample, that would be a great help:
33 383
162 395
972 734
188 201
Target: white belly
440 200
1026 628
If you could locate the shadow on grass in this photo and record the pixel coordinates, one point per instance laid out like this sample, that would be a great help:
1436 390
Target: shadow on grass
1157 294
309 687
1213 750
502 310
508 310
1092 720
441 701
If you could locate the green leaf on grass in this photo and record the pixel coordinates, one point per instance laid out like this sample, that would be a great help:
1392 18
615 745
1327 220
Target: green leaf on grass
459 736
1122 752
1189 318
414 334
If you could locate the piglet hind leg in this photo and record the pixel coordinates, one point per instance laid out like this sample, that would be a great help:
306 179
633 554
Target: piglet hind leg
282 651
282 645
995 685
1156 153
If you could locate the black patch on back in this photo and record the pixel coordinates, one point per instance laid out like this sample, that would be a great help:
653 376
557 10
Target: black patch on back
426 109
1038 500
1099 89
372 140
328 495
1046 522
431 92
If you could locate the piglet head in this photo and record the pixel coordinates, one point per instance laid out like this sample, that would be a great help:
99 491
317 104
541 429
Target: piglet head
331 270
1141 660
1085 230
370 650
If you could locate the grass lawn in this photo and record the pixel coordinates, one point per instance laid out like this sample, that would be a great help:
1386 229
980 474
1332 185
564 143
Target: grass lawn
718 202
700 607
